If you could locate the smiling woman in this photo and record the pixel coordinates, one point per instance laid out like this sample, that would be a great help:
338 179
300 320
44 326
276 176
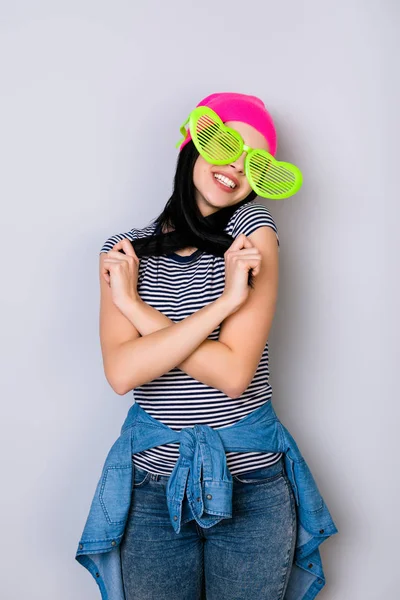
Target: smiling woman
187 303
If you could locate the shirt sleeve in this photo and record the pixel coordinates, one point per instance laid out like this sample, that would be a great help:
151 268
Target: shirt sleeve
117 237
250 217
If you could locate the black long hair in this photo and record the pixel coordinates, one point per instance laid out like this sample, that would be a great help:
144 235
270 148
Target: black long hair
183 215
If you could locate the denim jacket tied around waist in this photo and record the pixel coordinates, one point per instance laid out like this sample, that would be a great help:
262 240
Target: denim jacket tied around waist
202 481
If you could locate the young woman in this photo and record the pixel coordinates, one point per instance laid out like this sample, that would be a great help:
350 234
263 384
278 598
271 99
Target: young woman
181 327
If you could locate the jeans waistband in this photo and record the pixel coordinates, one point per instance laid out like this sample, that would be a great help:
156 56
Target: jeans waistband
269 470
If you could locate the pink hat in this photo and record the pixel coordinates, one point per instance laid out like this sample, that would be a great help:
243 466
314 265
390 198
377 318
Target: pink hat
241 107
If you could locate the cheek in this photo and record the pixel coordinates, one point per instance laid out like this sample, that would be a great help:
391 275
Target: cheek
245 188
201 173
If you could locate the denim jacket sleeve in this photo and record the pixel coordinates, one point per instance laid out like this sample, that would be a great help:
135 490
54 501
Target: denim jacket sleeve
314 524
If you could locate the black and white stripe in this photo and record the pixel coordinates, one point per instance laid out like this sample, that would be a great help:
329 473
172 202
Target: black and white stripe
177 286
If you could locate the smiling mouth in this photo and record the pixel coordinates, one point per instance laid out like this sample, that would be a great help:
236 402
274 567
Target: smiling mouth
225 181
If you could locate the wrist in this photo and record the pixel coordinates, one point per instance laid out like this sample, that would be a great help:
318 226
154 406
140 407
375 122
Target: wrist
227 302
129 307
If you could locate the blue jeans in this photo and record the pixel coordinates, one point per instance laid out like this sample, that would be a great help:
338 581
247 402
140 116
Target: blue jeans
247 557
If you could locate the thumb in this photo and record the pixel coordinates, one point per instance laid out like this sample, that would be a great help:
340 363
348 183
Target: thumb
241 241
126 247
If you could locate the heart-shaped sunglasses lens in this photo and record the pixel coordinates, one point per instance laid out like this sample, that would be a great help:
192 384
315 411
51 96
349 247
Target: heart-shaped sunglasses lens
218 144
270 178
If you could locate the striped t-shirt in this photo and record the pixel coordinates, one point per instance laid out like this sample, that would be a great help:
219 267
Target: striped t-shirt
178 286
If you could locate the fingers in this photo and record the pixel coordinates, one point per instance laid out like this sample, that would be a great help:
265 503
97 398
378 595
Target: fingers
104 271
252 262
124 245
113 266
116 255
116 258
243 252
241 241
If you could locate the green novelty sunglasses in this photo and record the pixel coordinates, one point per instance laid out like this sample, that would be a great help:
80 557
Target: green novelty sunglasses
221 145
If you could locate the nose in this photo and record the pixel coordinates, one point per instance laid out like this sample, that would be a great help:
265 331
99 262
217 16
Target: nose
239 163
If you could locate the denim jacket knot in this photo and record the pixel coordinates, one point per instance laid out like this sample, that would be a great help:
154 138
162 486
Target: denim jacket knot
201 486
201 478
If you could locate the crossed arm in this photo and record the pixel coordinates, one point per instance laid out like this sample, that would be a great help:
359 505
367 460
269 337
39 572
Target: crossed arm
145 344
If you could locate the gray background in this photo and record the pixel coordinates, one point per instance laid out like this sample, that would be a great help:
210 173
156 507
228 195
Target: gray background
92 97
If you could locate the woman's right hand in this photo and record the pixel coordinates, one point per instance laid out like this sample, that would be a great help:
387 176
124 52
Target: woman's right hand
120 270
240 257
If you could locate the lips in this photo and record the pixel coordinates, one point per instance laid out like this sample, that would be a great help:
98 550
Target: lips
235 181
223 187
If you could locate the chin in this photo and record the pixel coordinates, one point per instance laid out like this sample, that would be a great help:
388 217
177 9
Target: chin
215 200
219 202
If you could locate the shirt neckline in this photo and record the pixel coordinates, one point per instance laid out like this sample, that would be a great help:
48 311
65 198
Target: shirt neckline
187 258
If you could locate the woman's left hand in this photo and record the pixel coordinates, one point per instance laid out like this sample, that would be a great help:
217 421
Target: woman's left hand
123 273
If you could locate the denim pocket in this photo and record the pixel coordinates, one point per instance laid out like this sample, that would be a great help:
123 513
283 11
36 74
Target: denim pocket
140 476
258 476
114 495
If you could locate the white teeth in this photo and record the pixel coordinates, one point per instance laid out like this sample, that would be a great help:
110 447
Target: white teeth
225 180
